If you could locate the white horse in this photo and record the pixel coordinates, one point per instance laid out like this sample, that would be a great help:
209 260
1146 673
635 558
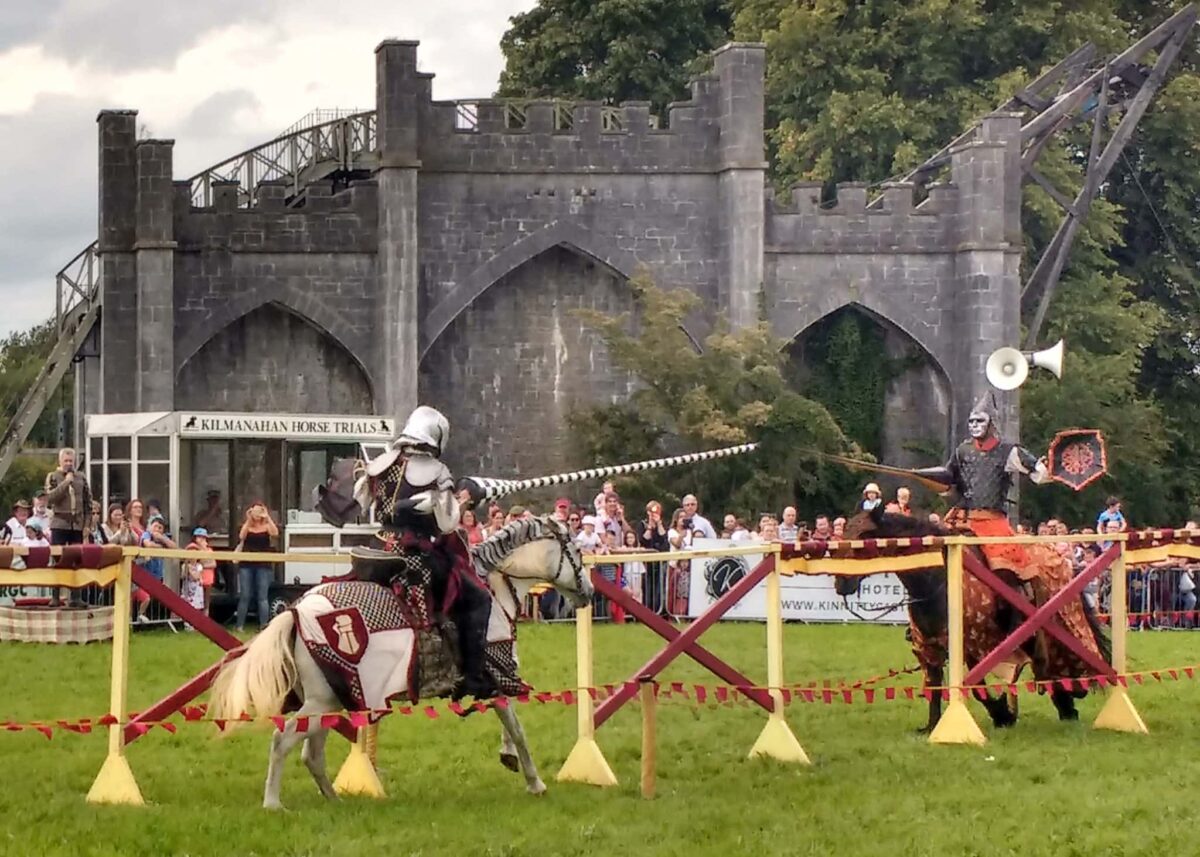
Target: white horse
277 664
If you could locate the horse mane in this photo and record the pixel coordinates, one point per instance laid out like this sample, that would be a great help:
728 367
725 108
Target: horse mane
493 550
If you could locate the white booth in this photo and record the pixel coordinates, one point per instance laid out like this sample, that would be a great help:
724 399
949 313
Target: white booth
206 469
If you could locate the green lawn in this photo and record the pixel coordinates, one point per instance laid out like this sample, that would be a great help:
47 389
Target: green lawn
874 786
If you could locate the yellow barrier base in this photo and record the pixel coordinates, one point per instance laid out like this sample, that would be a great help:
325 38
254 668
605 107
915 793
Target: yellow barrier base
957 726
586 764
115 783
1119 715
357 776
776 741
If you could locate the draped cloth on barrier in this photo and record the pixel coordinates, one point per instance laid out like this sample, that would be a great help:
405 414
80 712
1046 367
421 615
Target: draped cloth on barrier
76 567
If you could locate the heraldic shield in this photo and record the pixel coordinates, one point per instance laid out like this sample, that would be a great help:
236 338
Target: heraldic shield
1077 457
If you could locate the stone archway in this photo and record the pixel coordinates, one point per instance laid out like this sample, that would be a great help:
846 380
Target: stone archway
271 359
898 400
515 363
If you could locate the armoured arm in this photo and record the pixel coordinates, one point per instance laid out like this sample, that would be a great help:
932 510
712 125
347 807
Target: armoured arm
946 475
1021 460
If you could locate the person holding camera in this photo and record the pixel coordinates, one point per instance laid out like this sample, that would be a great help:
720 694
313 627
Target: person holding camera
255 578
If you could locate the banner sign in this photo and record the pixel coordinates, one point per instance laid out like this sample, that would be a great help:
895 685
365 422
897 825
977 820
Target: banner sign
805 597
286 426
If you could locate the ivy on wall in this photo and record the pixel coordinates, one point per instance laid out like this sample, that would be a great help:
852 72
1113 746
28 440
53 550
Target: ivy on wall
847 369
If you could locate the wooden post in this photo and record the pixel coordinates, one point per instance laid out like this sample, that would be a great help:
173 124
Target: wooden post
956 726
115 782
776 739
649 739
1118 713
586 763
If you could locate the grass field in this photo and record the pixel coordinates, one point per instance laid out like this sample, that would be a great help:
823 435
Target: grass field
875 787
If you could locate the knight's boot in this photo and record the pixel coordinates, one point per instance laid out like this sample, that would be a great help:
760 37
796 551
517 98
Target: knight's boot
472 635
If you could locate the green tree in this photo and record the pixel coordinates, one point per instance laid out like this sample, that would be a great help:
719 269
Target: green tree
22 355
610 50
732 392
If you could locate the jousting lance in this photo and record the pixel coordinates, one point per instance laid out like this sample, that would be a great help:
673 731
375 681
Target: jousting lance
483 488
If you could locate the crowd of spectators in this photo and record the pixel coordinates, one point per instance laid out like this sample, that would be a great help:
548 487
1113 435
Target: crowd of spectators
1160 594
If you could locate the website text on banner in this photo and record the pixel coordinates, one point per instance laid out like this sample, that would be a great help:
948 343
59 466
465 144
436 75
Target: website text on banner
805 597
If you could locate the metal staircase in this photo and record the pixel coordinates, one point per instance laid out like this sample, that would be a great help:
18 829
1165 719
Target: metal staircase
77 310
307 153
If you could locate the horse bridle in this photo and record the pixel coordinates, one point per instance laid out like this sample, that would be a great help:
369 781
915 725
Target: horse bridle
566 555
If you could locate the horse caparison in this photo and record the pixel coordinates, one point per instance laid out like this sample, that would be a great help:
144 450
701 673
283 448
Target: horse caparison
987 620
277 665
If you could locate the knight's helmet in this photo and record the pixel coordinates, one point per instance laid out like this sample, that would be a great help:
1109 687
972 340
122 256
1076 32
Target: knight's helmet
986 405
425 427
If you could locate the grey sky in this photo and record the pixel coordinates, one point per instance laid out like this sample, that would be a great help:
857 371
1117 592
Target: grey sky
218 76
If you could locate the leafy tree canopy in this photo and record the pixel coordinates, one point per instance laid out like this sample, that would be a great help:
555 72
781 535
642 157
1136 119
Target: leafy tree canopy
611 50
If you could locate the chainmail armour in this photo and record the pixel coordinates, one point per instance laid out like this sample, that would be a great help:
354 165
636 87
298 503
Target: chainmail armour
981 477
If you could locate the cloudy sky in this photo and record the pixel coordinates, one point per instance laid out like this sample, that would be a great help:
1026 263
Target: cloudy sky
217 76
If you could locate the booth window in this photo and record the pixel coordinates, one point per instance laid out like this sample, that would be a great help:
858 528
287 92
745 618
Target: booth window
309 465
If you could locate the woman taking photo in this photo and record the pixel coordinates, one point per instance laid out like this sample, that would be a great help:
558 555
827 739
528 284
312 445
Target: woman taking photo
255 537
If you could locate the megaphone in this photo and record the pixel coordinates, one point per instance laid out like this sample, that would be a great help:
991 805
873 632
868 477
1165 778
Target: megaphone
1008 368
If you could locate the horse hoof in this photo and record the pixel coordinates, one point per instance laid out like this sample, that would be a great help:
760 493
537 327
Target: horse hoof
924 730
509 760
274 806
537 789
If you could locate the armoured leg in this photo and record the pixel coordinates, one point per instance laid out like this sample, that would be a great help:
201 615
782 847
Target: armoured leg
472 614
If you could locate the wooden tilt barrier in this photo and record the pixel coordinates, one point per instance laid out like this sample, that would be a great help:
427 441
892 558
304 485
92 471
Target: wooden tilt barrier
860 557
111 565
116 783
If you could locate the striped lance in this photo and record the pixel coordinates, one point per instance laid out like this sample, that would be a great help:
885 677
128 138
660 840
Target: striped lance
482 488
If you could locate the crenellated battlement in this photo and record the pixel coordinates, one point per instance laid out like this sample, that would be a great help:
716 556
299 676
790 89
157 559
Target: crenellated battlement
701 134
346 221
859 220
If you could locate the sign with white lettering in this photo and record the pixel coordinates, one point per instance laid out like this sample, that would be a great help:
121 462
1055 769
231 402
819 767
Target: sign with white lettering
286 426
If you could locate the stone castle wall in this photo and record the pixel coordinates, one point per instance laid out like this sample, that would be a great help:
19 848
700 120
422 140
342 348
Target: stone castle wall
451 273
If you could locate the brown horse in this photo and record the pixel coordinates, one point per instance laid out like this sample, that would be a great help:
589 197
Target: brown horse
987 620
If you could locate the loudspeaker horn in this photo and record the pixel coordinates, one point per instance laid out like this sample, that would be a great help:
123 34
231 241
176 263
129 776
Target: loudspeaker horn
1050 358
1007 369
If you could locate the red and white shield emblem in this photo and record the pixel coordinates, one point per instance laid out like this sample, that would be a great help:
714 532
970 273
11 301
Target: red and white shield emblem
345 632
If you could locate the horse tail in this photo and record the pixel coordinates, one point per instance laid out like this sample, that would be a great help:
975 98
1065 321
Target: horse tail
258 682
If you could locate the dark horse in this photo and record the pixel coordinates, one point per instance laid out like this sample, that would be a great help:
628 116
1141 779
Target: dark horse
987 619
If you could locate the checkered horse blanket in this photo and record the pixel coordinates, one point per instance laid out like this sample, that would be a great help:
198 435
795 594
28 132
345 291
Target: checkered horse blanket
360 636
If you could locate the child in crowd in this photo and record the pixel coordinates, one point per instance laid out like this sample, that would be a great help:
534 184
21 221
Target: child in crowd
587 539
35 534
155 536
199 575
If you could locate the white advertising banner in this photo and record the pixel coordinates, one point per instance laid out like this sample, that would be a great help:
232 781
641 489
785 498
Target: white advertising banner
805 597
9 594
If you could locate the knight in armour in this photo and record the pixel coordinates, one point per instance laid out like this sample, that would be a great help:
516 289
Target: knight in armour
981 470
413 496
